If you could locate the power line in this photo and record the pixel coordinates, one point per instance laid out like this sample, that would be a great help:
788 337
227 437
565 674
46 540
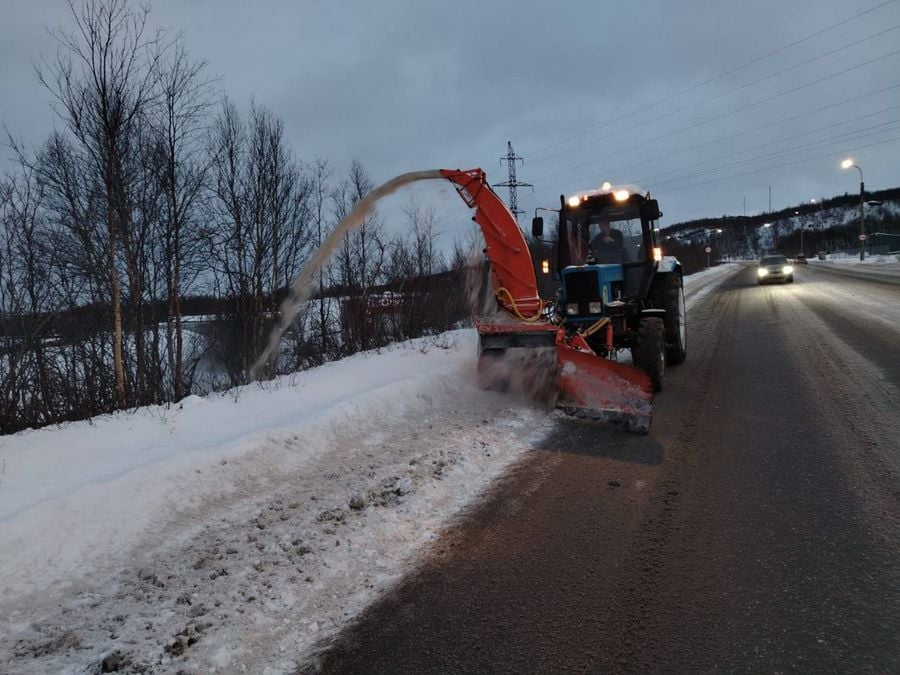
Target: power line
854 135
779 166
657 158
725 93
853 99
731 112
655 177
716 77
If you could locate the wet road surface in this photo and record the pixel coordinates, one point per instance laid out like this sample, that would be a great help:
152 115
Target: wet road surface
756 528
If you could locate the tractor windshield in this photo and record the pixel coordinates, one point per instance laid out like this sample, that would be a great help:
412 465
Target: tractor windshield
612 234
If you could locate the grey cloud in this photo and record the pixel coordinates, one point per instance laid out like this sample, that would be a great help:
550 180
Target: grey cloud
410 85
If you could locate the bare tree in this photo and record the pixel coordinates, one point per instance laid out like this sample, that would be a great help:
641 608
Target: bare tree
28 299
361 256
319 175
180 119
260 215
360 261
422 222
73 199
102 81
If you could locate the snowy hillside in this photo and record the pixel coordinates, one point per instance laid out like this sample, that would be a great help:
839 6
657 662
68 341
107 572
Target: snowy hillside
234 532
830 225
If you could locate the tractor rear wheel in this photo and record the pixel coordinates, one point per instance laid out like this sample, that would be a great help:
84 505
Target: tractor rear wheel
649 354
669 296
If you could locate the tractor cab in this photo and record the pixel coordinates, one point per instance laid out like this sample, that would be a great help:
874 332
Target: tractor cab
607 248
609 233
615 286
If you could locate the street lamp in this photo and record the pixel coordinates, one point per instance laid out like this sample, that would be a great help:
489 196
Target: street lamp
848 164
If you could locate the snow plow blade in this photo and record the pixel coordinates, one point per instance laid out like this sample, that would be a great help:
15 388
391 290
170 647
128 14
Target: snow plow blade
538 360
599 389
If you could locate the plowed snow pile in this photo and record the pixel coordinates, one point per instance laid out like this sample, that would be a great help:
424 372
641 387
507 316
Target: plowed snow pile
233 532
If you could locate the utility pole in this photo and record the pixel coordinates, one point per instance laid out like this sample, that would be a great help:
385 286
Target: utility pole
512 183
770 199
862 217
848 164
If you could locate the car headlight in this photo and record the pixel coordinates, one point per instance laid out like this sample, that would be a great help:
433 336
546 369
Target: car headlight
787 269
595 307
762 271
572 308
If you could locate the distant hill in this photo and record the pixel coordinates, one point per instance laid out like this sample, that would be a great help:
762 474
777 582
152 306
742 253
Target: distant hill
827 225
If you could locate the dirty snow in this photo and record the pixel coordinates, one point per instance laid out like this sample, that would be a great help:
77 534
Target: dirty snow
235 530
232 533
698 285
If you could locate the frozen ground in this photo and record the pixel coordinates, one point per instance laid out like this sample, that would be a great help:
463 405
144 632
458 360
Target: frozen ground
877 260
231 533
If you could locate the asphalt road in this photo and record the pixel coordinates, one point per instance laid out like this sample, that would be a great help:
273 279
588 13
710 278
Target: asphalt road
757 527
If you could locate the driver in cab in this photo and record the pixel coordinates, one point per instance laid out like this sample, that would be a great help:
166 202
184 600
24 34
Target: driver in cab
609 245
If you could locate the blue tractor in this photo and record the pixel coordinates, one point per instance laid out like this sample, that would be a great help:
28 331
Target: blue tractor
617 290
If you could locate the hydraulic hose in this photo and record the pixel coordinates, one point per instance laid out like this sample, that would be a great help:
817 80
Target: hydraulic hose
515 309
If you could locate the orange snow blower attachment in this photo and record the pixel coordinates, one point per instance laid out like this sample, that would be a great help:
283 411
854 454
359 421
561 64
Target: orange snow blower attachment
523 331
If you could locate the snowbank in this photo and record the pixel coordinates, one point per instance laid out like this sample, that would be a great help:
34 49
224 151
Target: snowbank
698 285
887 260
256 521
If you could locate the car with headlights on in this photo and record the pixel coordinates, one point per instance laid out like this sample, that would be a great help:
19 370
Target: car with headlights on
774 269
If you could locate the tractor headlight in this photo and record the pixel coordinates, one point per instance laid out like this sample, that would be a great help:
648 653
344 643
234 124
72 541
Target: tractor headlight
787 269
595 307
572 308
762 271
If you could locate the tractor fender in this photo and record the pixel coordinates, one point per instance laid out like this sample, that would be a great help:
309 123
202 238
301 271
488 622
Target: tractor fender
669 264
649 312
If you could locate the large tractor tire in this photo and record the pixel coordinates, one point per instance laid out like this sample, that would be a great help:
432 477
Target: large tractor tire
669 295
649 354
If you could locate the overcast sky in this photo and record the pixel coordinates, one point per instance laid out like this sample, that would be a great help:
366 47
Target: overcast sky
586 91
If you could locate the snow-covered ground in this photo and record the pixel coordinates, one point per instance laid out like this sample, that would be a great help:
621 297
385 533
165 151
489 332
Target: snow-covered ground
699 284
876 260
884 267
233 532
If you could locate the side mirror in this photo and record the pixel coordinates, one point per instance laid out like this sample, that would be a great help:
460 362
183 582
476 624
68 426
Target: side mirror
537 226
650 210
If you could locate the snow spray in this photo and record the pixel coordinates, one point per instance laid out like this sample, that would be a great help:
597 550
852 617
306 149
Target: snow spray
302 285
529 372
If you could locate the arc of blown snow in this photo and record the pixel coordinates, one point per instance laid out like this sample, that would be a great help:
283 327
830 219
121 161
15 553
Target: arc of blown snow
301 287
